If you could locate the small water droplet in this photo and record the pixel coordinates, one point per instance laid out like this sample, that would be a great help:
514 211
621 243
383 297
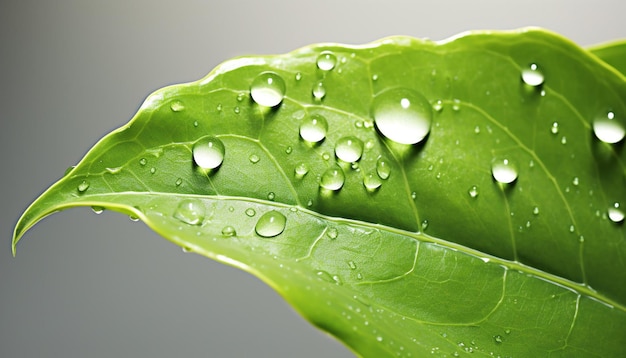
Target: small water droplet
288 150
240 97
532 75
271 195
563 140
179 181
349 149
270 224
608 128
424 225
374 77
133 218
456 104
503 170
372 182
208 152
314 128
572 228
555 128
615 213
301 170
379 338
352 265
177 106
268 89
236 110
229 231
333 178
575 181
83 186
326 61
438 105
325 156
195 123
190 212
402 115
298 76
97 209
250 212
332 233
477 129
254 158
382 168
536 210
498 339
219 107
413 195
319 91
473 191
143 161
152 170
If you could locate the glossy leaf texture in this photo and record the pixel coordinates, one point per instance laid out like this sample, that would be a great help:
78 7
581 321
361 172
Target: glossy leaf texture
409 197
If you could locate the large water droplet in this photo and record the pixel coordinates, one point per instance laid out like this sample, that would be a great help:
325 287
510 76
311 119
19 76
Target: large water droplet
190 212
333 178
208 153
270 224
313 129
319 91
372 182
402 115
503 170
349 149
326 61
268 89
608 128
382 168
532 75
616 214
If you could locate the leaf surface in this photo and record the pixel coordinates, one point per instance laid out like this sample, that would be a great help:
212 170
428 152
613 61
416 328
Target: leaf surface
613 53
395 248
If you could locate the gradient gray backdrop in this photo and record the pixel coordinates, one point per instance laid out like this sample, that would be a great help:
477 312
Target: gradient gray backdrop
85 285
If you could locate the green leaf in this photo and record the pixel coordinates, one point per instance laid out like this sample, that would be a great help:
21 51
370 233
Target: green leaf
613 53
399 249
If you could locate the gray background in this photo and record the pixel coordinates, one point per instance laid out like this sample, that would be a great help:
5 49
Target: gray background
85 285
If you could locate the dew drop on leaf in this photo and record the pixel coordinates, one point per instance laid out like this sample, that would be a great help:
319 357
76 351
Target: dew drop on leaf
152 170
268 89
532 75
229 231
349 149
473 191
298 76
332 233
402 115
190 212
372 182
333 178
177 106
536 210
326 61
503 170
555 128
319 91
97 209
83 186
208 152
270 224
438 105
615 213
143 161
254 158
313 129
250 212
236 110
271 195
301 170
608 128
498 339
382 168
179 181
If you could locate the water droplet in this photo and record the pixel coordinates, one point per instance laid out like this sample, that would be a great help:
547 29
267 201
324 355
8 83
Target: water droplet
608 128
190 212
250 212
240 97
177 106
555 128
352 265
349 149
271 195
382 168
456 104
575 181
219 107
563 140
616 214
288 150
372 182
301 170
424 225
498 339
268 89
325 156
333 178
83 186
319 91
536 210
254 158
152 170
179 181
473 191
195 123
314 128
532 75
379 338
503 170
374 77
326 61
143 161
236 110
97 209
208 153
298 76
438 105
229 231
402 115
572 228
133 218
270 224
332 233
